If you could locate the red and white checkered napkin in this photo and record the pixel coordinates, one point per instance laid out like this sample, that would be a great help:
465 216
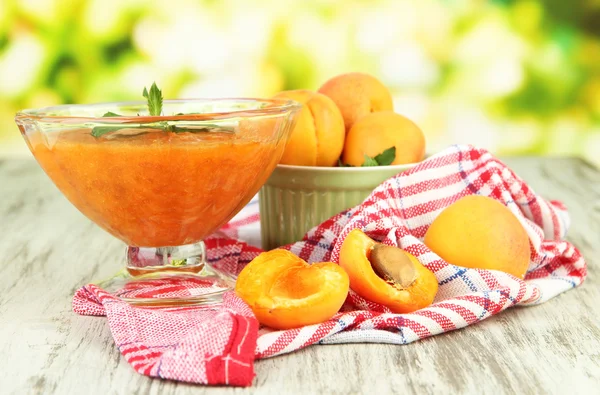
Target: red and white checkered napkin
209 345
184 343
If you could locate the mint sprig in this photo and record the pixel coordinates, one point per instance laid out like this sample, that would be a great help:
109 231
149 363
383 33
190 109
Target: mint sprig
383 159
155 103
369 162
98 131
155 99
386 157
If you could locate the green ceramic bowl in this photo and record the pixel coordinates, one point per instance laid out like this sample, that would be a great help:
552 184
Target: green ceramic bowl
297 198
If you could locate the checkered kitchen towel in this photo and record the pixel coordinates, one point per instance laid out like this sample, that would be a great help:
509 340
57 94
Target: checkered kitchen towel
218 346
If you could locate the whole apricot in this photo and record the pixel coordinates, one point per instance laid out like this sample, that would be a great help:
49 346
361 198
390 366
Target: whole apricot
386 275
480 232
376 132
356 95
318 136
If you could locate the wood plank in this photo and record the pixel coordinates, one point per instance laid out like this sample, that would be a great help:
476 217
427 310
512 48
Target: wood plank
48 249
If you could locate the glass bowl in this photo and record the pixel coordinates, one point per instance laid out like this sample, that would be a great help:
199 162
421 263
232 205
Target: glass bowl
161 184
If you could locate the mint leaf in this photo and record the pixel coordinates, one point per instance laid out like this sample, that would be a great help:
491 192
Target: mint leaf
164 126
101 130
342 164
369 162
179 262
155 99
155 103
386 157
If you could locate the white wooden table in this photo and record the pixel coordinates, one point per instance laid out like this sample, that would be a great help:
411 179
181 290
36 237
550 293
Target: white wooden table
48 250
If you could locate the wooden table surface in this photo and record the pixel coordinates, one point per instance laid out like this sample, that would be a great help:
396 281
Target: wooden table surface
48 250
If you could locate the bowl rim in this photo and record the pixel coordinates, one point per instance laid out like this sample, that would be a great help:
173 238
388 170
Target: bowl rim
43 114
346 169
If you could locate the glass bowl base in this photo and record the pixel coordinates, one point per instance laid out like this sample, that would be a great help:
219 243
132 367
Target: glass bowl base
168 276
167 288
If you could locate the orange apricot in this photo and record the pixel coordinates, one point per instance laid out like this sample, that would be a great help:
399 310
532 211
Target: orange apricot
414 289
285 292
356 95
318 136
480 232
374 133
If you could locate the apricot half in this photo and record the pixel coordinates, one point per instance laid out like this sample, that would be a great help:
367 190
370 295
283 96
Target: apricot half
285 292
398 281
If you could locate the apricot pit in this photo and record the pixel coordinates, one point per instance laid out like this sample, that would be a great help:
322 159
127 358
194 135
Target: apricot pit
393 265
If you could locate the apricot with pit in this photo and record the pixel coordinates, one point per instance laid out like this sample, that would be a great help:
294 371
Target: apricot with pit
386 274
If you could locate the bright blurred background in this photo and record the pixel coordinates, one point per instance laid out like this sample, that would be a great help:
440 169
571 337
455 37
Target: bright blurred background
516 77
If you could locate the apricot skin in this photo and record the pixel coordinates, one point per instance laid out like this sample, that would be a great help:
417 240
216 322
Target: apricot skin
480 232
354 258
318 136
374 133
356 95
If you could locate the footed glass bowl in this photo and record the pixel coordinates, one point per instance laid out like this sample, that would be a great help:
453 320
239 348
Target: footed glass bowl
161 184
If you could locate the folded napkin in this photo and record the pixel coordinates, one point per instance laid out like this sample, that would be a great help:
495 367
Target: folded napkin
217 345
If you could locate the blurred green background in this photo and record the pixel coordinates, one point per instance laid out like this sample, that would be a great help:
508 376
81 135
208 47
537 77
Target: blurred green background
516 77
